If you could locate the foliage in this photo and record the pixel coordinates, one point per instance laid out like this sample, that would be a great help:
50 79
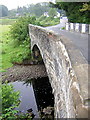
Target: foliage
32 9
41 18
15 41
48 21
85 7
10 97
38 9
73 11
52 12
10 101
63 28
11 50
20 30
3 11
23 52
20 34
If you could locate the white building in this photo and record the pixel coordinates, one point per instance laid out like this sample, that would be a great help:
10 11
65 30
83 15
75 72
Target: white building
46 14
63 20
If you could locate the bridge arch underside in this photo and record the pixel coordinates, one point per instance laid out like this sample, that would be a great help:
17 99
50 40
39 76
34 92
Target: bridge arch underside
66 74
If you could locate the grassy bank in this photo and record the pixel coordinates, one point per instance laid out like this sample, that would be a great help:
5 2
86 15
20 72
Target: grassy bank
17 50
10 49
4 46
7 21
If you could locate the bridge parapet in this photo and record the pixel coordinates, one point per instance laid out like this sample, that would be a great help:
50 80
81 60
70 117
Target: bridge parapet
67 70
78 27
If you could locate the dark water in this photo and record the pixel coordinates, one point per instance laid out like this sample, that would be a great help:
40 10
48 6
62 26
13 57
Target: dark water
35 94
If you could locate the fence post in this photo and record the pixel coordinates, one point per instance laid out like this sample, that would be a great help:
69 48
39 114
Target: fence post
89 29
71 27
83 28
77 27
67 26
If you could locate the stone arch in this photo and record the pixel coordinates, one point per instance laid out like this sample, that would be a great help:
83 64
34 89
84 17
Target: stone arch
36 54
67 71
40 58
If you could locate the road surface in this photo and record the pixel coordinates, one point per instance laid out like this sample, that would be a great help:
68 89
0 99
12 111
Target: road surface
81 41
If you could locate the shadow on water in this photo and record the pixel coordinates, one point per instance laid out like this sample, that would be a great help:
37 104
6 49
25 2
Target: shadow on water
36 95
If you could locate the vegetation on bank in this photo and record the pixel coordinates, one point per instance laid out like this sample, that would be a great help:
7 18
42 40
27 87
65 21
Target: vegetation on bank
15 40
10 101
11 50
14 50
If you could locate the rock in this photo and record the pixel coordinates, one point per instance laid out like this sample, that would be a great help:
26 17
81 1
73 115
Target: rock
48 110
20 73
30 110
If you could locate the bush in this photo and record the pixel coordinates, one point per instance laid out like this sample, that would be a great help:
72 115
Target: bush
20 30
42 17
20 33
48 21
9 97
10 100
21 52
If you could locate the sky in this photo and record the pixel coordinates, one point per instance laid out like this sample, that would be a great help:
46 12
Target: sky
12 4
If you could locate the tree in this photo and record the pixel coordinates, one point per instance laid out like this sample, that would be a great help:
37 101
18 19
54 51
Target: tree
86 7
75 11
52 12
3 11
38 9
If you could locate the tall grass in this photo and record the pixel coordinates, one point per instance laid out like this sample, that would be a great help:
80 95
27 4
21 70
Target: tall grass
4 46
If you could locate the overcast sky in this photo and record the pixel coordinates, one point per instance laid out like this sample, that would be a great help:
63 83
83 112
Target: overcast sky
12 4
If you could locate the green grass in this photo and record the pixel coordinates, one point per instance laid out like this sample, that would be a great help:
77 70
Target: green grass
10 50
7 21
4 29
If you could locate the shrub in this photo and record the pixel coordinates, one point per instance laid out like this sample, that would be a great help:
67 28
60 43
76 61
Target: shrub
9 97
20 34
21 52
10 100
48 21
42 17
20 30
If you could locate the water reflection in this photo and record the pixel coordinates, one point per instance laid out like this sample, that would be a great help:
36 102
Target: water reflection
43 93
35 94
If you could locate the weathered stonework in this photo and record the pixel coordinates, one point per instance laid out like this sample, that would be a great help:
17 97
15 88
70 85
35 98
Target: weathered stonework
67 70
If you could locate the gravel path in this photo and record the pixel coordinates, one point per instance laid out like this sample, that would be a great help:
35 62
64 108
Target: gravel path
20 72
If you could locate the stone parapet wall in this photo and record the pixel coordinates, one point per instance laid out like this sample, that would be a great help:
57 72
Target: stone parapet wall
78 27
67 70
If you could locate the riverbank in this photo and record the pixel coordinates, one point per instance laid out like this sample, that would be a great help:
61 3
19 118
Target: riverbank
21 72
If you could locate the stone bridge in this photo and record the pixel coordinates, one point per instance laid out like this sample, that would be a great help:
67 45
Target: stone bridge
67 70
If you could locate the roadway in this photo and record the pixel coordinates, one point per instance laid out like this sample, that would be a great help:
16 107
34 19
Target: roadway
81 41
